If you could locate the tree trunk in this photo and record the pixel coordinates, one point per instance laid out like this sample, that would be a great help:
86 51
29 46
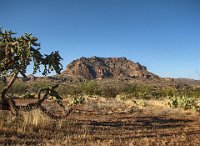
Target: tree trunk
5 101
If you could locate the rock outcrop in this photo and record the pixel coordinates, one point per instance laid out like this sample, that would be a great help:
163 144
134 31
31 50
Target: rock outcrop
100 68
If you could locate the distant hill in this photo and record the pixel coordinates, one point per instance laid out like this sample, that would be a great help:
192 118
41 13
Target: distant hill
110 70
102 68
191 82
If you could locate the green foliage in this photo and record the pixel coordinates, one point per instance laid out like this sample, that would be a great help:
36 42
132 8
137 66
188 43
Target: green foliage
139 102
139 91
22 88
77 100
16 53
130 89
185 102
108 91
90 88
19 88
144 91
161 93
36 86
69 90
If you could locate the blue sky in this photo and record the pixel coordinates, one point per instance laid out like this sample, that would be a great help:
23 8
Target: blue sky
163 35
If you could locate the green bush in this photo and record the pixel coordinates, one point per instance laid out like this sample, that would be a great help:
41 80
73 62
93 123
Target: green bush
19 88
185 102
36 86
65 89
90 88
107 91
130 89
144 91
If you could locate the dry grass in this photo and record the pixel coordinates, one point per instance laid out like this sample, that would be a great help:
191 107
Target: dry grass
104 122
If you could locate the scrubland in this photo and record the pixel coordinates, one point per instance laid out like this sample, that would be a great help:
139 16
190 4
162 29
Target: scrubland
106 114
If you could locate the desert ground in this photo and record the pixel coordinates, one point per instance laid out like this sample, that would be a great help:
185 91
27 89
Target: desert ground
103 121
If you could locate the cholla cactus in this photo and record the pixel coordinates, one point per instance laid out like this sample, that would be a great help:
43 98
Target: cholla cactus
16 53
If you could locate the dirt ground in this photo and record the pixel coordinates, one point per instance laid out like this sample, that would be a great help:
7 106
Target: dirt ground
105 122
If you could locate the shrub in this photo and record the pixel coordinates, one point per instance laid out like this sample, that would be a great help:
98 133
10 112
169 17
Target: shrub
108 91
90 88
19 88
65 89
130 89
185 102
144 91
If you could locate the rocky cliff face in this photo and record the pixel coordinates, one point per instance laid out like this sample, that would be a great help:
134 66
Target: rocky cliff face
99 68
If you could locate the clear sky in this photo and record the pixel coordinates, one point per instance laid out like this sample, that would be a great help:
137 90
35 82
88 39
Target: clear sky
163 35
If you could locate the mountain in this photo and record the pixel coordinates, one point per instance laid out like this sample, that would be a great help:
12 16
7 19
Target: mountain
102 68
115 69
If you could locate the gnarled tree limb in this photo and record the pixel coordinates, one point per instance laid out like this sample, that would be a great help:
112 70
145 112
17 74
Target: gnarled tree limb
5 90
38 105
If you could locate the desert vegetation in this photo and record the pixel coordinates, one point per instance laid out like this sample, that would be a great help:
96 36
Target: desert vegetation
123 114
16 54
177 98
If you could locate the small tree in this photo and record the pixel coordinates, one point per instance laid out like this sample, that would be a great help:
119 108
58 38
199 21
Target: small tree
16 54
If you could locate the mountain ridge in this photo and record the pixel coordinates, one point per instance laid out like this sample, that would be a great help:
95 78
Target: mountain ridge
105 67
112 69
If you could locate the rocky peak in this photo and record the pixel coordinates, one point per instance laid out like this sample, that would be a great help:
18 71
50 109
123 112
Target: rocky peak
99 68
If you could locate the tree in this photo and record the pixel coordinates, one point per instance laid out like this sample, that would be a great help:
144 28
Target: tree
16 54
